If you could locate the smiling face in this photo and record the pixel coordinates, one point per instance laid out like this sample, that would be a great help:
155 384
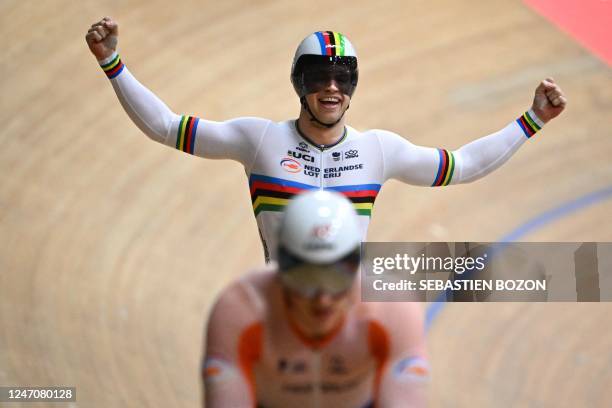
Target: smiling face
327 88
329 104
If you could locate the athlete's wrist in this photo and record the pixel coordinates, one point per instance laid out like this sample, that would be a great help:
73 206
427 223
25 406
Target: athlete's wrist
530 123
112 65
536 118
108 59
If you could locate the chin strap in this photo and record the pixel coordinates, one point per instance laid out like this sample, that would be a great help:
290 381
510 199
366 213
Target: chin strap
314 119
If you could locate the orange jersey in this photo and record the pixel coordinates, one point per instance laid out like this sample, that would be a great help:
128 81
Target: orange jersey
255 357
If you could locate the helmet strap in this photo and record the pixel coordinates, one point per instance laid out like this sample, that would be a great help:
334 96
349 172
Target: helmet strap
313 118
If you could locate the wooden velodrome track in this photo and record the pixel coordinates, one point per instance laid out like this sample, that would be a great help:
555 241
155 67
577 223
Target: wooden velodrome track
112 247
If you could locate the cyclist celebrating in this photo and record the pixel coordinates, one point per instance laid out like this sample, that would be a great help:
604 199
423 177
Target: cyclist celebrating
318 150
296 335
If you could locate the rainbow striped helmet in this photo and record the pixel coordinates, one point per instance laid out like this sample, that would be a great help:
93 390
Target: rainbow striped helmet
324 50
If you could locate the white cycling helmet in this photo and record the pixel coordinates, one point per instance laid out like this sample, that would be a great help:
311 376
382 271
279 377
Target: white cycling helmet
324 49
319 243
319 57
319 227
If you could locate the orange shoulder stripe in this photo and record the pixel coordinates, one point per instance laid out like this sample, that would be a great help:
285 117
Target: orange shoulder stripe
378 340
249 352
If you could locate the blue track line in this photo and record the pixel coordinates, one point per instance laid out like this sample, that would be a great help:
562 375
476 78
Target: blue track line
531 225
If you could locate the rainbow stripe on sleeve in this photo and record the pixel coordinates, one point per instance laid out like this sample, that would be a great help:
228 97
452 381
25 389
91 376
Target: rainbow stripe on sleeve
273 194
528 124
113 68
185 136
445 168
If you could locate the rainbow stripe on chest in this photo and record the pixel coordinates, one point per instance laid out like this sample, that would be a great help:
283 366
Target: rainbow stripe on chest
273 194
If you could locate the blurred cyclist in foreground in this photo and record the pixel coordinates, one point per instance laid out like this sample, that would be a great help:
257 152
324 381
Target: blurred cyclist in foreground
295 333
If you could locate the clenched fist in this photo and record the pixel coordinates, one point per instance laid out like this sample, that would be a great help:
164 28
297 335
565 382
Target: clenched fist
549 100
102 38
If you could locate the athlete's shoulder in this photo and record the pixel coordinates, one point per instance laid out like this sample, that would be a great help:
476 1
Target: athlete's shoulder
393 315
386 134
357 132
245 298
249 122
286 127
259 279
361 136
372 134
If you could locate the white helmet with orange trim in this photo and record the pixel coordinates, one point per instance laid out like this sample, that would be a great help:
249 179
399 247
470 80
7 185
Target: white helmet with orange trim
319 243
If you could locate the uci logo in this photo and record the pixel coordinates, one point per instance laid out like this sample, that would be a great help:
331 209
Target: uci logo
305 157
290 165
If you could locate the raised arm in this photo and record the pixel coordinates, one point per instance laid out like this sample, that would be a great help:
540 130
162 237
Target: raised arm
440 167
237 139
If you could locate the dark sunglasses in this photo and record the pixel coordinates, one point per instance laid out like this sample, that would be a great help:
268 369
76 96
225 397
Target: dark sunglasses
309 280
319 78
